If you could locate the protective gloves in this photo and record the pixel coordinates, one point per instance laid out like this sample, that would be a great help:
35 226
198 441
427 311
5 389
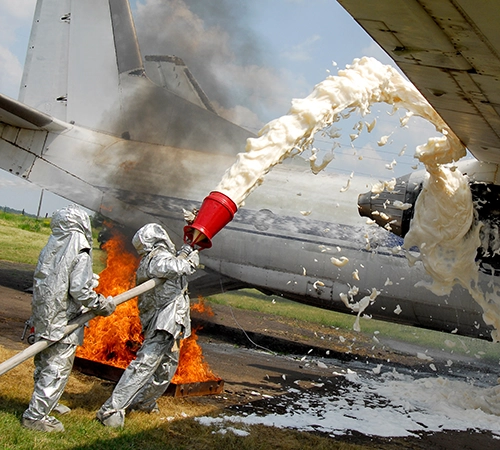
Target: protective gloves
194 259
185 251
95 280
106 306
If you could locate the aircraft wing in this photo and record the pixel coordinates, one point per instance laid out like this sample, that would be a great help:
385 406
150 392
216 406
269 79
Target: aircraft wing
450 50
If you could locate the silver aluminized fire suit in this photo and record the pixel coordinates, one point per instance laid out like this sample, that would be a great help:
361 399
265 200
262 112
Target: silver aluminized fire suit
63 285
165 318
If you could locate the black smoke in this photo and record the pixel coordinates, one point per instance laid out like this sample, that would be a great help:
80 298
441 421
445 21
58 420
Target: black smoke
233 65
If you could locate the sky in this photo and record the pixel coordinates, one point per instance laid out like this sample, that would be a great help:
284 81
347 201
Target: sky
251 58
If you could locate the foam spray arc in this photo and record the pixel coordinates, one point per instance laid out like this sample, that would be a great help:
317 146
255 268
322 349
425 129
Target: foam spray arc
356 88
447 256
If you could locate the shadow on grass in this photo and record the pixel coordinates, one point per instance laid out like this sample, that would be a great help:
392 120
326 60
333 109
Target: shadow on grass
12 407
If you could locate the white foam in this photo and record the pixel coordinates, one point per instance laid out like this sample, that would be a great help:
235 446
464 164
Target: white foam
356 88
392 404
443 227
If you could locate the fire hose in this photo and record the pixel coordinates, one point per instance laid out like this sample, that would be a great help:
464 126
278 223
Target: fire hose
77 322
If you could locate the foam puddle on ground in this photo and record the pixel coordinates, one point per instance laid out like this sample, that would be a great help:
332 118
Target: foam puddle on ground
391 405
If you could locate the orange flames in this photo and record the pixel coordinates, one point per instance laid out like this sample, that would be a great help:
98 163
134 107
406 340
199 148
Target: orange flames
192 366
114 340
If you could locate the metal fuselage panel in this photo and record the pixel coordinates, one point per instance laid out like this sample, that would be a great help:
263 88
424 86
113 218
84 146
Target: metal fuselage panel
270 244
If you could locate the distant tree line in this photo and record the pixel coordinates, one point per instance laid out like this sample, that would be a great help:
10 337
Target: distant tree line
9 210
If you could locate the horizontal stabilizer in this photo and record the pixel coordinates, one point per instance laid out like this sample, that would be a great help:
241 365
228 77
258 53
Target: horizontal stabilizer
170 72
20 115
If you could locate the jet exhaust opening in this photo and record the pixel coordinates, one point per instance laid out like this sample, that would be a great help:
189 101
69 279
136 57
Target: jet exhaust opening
380 207
392 210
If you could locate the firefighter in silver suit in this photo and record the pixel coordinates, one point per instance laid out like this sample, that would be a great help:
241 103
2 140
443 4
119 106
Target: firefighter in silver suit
62 288
165 319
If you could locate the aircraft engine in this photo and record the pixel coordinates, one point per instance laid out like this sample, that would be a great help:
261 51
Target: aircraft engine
393 210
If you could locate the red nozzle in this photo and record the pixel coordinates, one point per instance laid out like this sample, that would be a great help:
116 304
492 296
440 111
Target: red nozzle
216 211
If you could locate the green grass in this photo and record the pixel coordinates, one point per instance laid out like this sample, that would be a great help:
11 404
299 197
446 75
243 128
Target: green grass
22 238
174 428
454 345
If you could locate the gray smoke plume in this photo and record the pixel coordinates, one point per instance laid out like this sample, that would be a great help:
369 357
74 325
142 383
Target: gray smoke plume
216 41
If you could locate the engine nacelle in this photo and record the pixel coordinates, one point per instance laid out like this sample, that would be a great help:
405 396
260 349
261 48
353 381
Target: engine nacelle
383 207
484 180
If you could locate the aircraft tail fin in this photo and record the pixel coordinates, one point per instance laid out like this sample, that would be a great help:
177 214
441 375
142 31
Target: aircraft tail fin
170 72
76 52
84 66
44 81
